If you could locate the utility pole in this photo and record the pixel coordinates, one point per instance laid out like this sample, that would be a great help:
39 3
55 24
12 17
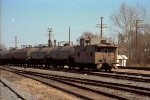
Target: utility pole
101 27
16 41
136 25
49 39
136 38
0 40
0 27
69 35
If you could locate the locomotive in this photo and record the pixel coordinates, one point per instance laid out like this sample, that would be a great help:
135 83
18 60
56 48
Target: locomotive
92 54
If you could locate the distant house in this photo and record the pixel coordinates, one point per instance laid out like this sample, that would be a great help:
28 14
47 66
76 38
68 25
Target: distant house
121 60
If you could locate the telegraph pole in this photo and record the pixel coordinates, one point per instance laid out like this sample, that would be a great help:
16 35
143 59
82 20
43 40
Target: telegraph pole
49 39
69 35
101 27
0 27
136 38
136 25
16 41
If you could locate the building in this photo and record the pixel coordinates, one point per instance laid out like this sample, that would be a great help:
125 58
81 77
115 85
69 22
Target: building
121 60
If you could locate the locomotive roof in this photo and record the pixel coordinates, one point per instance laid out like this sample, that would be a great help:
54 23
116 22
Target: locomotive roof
107 45
103 45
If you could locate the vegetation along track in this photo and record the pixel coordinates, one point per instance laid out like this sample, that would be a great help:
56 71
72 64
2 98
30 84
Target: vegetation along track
89 85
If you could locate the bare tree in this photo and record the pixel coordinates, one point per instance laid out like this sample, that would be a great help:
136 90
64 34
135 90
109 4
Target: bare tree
144 44
125 21
86 35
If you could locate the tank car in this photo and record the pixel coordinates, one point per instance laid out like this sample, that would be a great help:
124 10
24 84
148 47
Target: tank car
62 55
40 56
3 59
22 56
6 56
9 56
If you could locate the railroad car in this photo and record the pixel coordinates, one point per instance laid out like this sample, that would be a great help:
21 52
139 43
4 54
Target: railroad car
39 56
22 56
61 55
3 59
92 53
8 56
95 53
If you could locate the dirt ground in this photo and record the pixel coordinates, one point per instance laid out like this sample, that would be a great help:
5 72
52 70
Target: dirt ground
38 90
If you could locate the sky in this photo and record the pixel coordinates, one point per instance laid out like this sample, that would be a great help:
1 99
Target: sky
29 20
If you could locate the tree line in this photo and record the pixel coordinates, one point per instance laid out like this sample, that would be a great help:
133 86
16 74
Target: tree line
133 32
131 26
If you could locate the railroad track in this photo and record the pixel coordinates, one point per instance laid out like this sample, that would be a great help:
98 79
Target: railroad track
45 81
117 75
133 74
124 75
20 96
89 85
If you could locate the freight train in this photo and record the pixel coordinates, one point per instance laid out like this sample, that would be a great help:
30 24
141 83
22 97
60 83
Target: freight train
92 54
